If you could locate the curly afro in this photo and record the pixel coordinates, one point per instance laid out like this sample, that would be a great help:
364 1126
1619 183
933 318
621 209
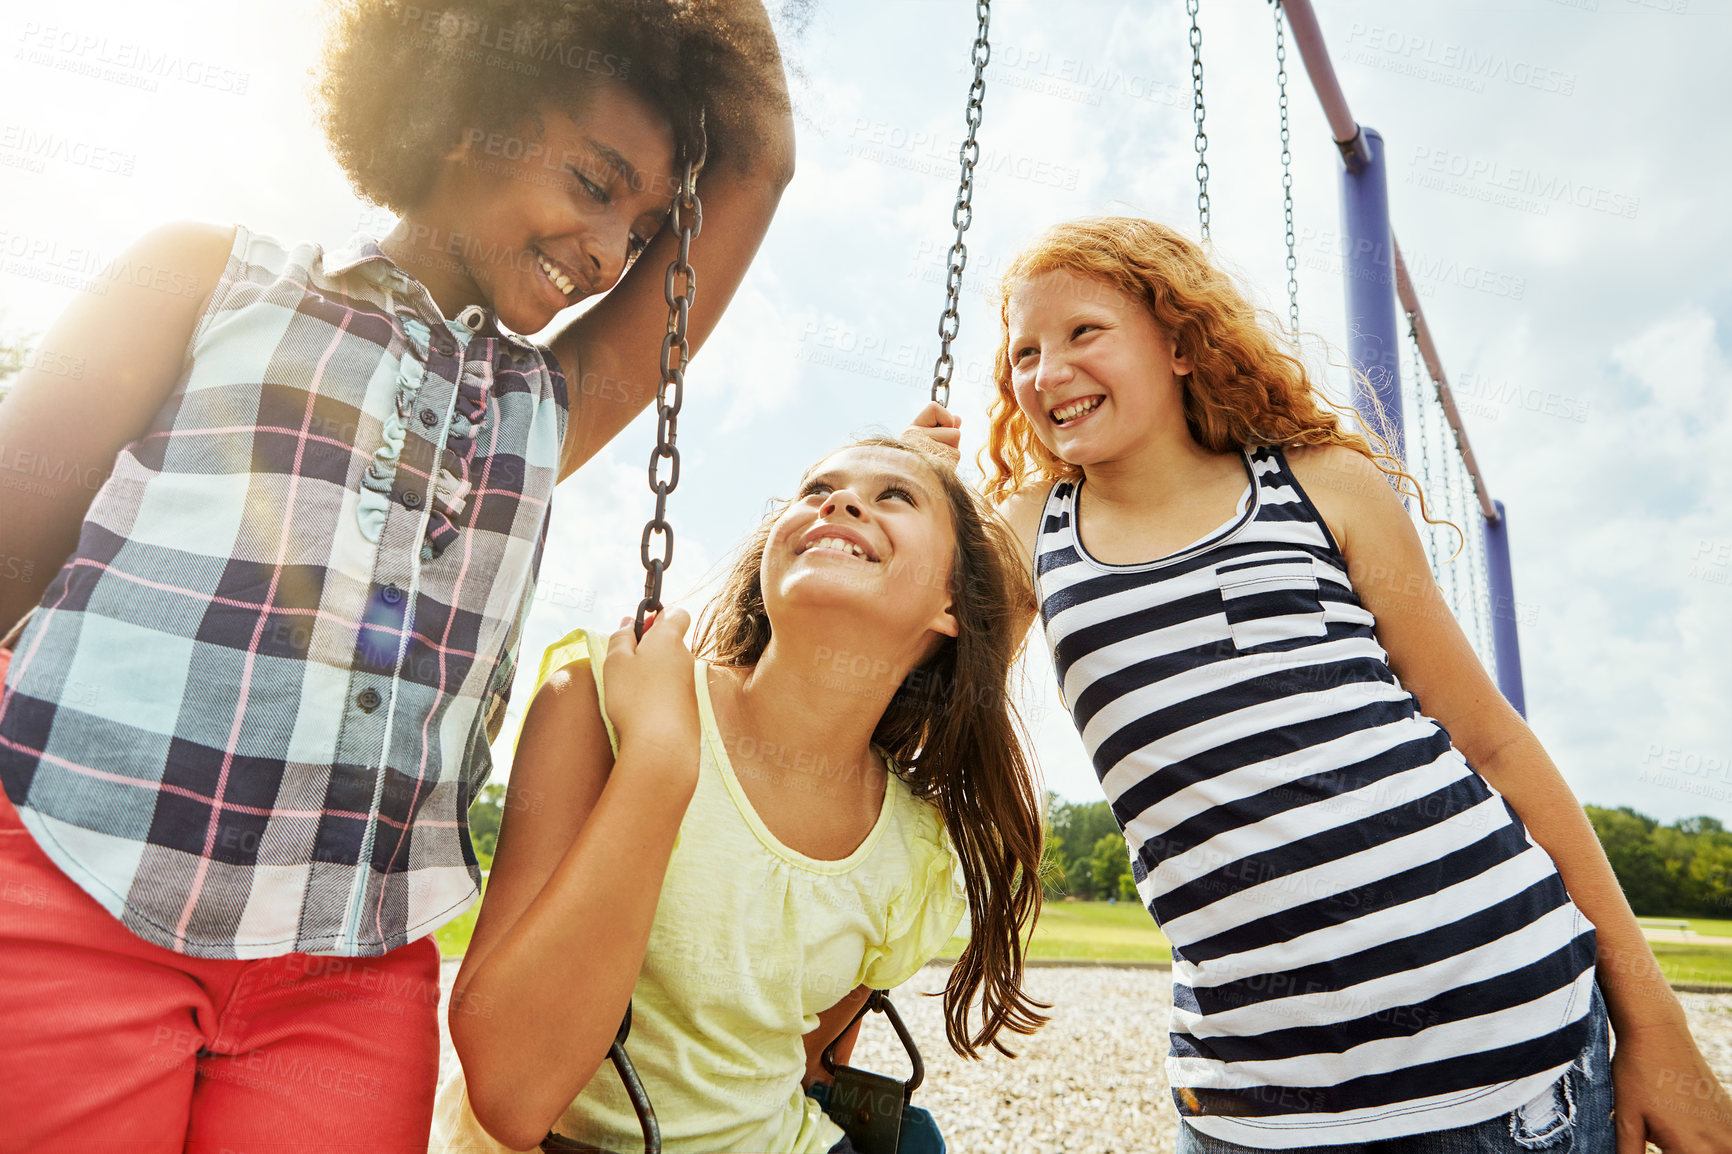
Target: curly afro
400 85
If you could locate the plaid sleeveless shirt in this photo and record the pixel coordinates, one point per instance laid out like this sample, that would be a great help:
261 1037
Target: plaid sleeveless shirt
250 712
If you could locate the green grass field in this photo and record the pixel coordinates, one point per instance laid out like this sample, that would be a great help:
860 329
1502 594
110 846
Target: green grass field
1099 932
453 936
1092 931
1708 927
1695 965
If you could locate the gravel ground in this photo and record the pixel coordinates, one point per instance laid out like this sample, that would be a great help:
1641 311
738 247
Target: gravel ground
1093 1079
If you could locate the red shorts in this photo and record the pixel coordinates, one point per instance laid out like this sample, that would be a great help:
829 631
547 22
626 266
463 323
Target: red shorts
112 1043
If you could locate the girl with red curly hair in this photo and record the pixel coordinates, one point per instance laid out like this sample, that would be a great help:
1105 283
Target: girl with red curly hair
1391 921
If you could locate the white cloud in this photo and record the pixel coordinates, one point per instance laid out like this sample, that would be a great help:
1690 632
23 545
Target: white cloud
1628 662
753 355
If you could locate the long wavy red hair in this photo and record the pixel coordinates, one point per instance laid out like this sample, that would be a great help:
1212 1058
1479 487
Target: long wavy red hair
1246 387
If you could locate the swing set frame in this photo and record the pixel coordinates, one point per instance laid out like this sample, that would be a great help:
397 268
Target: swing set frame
1372 266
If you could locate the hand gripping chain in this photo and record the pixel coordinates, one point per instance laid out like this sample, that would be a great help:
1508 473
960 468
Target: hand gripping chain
679 287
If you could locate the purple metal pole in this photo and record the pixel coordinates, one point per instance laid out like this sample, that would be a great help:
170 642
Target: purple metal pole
1500 585
1369 268
1371 264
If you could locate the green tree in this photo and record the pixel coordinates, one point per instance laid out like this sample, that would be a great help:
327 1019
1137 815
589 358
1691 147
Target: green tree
1079 825
1682 869
1052 867
485 814
1110 868
1627 838
1708 882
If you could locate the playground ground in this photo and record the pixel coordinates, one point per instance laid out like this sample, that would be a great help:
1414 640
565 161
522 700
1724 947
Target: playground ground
1092 1081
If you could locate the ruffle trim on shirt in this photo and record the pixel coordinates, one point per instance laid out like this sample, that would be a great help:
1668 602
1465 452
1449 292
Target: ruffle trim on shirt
451 486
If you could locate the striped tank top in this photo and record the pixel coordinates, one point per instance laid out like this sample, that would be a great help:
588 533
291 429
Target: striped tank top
1366 943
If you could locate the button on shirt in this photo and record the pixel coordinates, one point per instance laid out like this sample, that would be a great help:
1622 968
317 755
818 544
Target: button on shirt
250 712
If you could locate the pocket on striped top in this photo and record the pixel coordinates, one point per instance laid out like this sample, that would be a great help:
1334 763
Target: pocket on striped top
1271 599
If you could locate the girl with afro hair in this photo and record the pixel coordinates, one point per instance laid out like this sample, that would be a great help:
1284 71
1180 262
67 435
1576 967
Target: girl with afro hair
281 573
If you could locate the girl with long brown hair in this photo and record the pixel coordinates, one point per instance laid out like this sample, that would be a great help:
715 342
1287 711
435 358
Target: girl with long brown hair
1391 921
742 846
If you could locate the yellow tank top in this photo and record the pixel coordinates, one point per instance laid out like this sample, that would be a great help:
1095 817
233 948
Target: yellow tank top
751 940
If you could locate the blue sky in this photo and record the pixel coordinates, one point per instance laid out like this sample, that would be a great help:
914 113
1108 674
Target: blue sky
1555 179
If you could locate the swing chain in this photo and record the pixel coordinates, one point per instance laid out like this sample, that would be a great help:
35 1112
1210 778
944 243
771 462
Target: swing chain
1421 444
679 287
1287 173
963 214
1482 587
1202 142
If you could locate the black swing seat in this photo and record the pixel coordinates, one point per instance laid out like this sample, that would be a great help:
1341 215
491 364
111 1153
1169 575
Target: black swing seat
874 1110
877 1111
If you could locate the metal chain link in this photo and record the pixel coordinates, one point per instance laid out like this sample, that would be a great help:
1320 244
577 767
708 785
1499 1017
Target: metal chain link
679 287
1437 429
1202 141
963 214
1439 499
1463 506
1422 444
1446 506
1481 587
1465 586
1457 536
1286 172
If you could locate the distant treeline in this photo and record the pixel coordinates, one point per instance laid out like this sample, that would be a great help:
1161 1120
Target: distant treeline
1678 870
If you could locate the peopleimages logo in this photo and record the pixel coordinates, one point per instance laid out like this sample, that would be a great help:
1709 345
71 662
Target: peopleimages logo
24 147
935 153
1454 64
1328 251
98 56
86 269
502 45
1078 80
1528 189
1494 396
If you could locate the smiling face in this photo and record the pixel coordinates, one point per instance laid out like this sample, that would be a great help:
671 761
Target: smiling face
871 531
533 220
1092 371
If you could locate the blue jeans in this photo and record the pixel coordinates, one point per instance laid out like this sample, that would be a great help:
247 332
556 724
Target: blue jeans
1577 1118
